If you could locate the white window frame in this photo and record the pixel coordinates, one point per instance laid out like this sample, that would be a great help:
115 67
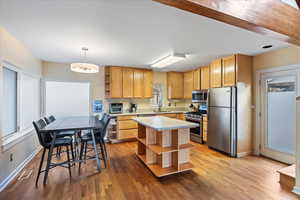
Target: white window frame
10 140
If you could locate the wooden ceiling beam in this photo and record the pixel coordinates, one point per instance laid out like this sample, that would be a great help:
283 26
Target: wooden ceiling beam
298 3
272 18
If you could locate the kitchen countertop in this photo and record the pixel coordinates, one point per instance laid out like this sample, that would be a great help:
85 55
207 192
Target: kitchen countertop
164 123
146 113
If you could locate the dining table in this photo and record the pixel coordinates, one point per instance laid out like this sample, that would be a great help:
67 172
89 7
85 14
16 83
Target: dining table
75 124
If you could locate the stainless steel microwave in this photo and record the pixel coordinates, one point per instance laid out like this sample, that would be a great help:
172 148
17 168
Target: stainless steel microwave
199 96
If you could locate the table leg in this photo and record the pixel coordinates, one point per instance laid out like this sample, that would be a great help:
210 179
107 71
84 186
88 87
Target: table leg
96 151
49 157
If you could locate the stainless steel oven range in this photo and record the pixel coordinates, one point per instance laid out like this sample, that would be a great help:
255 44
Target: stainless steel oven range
196 133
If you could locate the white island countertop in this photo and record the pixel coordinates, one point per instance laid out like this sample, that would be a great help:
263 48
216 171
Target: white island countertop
164 123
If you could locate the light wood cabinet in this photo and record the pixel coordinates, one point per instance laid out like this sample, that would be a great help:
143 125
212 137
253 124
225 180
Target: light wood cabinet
127 83
196 79
204 78
188 84
216 73
175 85
148 83
138 84
204 128
228 71
170 115
113 82
126 127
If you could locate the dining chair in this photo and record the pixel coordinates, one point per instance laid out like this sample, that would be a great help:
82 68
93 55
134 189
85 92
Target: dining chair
62 134
45 140
99 137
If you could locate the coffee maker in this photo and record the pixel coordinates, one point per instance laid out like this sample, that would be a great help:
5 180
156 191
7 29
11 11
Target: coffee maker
132 107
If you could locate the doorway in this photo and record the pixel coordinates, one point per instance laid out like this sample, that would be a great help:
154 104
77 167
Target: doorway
278 115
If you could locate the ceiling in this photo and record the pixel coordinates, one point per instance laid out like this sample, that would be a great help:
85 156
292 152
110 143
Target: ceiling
135 33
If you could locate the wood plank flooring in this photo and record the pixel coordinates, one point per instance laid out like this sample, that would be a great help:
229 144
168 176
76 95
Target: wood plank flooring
215 177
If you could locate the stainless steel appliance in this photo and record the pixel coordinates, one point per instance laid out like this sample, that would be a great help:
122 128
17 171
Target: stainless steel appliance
115 108
195 133
199 96
222 123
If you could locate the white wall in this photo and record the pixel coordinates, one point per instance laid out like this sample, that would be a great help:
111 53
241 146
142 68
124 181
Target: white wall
14 52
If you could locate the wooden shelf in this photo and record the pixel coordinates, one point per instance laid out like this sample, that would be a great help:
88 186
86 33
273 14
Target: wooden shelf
185 166
159 172
163 161
159 149
142 157
142 140
186 146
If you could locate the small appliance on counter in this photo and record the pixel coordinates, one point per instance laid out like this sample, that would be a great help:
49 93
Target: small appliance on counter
115 108
132 107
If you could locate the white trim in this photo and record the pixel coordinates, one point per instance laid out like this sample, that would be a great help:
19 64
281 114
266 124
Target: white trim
243 154
18 169
16 138
258 74
10 140
296 190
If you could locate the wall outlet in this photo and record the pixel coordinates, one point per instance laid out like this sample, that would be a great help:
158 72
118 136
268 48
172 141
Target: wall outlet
11 157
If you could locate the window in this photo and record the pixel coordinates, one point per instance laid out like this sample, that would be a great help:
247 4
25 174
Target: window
67 98
29 101
21 103
9 116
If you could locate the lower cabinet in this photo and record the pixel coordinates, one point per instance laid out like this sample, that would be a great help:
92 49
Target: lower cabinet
204 128
127 128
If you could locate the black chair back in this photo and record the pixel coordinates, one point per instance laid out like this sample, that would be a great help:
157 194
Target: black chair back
105 121
44 138
49 119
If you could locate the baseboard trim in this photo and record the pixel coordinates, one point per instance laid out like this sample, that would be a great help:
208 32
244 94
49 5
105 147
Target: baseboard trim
296 190
16 171
243 154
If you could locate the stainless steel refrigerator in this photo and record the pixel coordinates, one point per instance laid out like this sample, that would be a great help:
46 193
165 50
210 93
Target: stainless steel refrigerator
222 115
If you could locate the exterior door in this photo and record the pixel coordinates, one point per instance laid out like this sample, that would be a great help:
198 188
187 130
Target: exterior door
279 91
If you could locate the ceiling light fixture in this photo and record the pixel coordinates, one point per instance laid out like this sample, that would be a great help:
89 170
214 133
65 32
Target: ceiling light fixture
168 60
84 67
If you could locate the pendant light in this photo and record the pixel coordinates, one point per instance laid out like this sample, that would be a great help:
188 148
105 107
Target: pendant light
84 67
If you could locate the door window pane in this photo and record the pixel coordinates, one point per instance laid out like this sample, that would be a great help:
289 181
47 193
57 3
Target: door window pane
9 119
281 105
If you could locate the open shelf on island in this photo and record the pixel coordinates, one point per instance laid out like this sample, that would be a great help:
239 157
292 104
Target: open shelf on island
164 152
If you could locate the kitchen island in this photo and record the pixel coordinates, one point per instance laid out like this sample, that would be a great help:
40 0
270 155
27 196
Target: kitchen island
164 144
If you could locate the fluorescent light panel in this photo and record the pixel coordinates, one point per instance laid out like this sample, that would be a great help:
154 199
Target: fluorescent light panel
171 59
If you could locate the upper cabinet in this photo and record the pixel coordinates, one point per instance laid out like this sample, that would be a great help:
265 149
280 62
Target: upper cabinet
113 82
148 83
188 84
125 82
138 83
228 71
175 85
196 79
216 73
205 78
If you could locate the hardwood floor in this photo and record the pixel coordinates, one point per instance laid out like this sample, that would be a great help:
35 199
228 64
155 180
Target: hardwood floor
214 177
